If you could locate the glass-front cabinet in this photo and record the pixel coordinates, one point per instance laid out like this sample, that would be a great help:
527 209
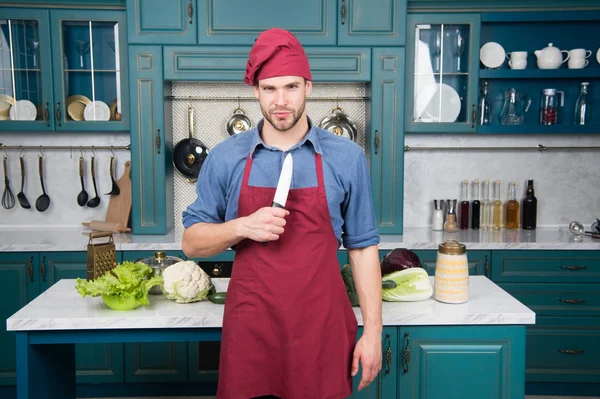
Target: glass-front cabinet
442 73
63 70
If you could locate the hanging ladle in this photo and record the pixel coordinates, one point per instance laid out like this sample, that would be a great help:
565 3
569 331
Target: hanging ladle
94 202
21 195
82 197
43 201
115 188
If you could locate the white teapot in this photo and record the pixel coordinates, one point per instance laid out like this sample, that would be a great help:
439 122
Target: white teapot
550 57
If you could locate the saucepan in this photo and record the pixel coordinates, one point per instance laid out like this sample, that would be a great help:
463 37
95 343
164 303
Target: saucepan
339 124
238 122
189 154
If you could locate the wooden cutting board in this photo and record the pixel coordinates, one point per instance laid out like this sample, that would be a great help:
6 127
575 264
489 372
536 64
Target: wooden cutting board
119 206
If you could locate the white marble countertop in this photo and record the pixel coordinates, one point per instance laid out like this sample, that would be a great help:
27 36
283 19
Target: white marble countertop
76 239
62 308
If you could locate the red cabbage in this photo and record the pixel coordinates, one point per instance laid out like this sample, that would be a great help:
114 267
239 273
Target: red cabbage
399 259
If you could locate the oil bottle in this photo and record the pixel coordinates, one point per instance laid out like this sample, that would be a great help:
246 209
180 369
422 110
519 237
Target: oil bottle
486 207
497 205
476 205
464 207
529 206
512 208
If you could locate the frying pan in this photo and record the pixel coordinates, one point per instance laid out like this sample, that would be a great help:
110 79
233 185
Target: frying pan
189 154
339 124
238 122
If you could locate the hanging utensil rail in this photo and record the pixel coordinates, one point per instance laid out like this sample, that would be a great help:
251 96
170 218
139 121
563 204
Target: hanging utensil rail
194 98
65 147
539 148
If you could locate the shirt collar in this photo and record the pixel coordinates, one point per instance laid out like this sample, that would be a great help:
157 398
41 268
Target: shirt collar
312 136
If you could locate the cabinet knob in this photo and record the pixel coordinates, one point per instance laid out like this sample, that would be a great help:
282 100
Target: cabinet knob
571 301
58 114
487 266
43 268
388 354
474 116
30 269
573 267
190 11
158 141
407 353
376 141
571 351
217 270
47 115
343 12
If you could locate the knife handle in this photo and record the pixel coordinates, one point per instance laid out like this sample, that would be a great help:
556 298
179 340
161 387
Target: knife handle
276 205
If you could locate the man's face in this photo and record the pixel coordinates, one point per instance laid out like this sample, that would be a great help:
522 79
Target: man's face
282 100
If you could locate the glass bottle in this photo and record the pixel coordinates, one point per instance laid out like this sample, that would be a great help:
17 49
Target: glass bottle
512 208
450 223
549 106
497 218
464 207
529 206
438 216
485 105
486 207
475 210
582 109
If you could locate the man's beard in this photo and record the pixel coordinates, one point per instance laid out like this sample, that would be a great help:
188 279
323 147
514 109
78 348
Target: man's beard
283 125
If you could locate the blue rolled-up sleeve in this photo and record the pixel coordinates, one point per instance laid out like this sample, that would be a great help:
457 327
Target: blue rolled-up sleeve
360 229
211 189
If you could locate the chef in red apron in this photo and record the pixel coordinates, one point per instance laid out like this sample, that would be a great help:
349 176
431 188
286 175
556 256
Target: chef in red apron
289 330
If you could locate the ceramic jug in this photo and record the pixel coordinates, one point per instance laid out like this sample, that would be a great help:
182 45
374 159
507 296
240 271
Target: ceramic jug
550 57
514 108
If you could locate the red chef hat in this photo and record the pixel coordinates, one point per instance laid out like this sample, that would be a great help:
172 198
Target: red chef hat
276 52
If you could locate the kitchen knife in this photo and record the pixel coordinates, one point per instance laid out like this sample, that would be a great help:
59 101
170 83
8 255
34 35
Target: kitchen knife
283 185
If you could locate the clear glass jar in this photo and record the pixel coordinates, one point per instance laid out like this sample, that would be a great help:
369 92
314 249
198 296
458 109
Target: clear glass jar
549 106
159 262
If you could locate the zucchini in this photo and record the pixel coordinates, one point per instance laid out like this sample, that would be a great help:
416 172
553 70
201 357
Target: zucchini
388 284
218 298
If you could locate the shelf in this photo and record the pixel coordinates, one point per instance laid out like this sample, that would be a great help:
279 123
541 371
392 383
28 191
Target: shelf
21 69
90 71
563 73
538 129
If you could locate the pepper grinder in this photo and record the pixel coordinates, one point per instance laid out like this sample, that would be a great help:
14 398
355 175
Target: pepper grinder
450 225
438 215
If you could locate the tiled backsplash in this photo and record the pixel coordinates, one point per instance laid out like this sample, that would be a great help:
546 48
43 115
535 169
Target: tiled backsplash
61 177
567 183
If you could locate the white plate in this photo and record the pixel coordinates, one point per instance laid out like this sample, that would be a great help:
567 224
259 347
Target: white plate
23 110
96 111
492 55
598 56
450 105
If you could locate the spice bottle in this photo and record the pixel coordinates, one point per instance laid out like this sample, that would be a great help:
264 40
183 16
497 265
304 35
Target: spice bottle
451 283
450 224
438 215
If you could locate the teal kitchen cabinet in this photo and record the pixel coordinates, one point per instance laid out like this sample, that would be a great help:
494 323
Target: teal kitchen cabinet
371 23
95 363
384 385
459 362
442 75
151 171
479 262
240 22
65 70
161 22
19 273
386 135
156 361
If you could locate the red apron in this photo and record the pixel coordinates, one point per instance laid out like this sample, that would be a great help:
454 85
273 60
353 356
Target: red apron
289 329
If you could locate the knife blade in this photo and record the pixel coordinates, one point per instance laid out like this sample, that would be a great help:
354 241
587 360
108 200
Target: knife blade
283 185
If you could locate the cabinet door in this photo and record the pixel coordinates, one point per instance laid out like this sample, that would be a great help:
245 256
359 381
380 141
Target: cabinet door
442 76
25 71
240 22
154 361
479 262
384 385
371 22
89 60
151 170
387 138
19 276
161 22
94 363
462 362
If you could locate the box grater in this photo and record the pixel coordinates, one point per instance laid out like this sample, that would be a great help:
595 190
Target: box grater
101 257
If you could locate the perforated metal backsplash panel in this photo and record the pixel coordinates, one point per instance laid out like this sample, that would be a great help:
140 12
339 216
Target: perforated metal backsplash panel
216 106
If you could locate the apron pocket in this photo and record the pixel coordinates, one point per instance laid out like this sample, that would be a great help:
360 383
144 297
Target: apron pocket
241 293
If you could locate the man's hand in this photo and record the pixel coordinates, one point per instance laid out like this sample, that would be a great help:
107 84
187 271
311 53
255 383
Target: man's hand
368 352
266 224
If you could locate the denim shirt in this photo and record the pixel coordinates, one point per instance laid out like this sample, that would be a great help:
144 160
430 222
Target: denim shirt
345 174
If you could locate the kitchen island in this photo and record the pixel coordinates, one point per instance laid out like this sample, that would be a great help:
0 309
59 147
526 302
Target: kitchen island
486 335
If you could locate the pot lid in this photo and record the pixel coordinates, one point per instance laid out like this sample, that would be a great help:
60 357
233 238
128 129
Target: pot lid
160 259
452 247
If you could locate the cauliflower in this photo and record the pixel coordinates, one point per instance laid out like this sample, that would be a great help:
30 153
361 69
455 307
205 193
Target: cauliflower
186 282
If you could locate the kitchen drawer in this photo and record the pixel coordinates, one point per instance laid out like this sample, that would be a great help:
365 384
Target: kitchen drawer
558 299
571 354
546 266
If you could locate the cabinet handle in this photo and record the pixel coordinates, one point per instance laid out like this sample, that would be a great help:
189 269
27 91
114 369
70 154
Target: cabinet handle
217 270
388 354
190 11
343 12
58 113
573 267
30 269
487 266
158 141
571 301
376 141
571 351
47 115
407 353
474 118
43 268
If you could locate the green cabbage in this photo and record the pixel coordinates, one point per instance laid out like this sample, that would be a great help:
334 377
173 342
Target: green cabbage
127 280
411 285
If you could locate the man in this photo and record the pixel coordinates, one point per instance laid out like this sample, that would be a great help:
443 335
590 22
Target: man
289 329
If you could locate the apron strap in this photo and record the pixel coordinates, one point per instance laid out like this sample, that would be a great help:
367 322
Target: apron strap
319 167
247 168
